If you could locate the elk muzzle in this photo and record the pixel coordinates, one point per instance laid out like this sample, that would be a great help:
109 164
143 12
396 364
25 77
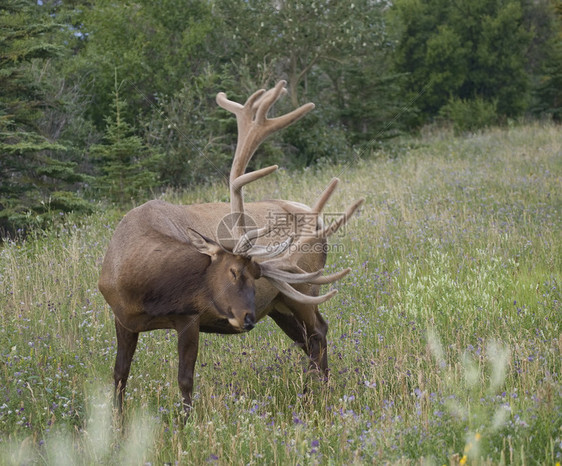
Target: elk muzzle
243 321
249 321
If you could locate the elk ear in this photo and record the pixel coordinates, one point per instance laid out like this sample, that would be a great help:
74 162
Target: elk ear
255 269
203 244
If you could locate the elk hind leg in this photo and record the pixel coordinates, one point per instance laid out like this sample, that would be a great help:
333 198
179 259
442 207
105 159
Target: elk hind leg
308 333
126 345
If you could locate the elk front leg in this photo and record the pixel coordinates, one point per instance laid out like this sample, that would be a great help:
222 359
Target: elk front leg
308 333
126 345
188 345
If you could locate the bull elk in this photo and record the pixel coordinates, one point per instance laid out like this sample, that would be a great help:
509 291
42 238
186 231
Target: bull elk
167 267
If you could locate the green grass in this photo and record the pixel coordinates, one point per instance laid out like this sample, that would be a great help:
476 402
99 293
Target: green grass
445 341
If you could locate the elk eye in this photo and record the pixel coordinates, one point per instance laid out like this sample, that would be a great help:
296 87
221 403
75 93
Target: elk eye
233 274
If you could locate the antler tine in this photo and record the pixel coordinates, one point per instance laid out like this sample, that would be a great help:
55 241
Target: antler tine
237 184
325 196
319 206
290 292
330 229
333 277
266 101
300 276
309 229
235 107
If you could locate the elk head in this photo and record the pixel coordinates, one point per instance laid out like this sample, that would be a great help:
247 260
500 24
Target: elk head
229 281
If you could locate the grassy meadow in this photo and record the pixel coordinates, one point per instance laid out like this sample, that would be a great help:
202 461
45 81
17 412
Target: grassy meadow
445 341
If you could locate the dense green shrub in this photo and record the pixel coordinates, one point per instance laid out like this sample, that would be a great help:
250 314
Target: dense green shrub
470 115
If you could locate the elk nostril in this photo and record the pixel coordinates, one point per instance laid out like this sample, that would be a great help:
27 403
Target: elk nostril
249 322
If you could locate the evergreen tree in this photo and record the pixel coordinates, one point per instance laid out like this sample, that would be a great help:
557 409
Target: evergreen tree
128 167
33 181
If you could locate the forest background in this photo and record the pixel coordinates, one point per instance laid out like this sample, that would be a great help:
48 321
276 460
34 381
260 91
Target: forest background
114 100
